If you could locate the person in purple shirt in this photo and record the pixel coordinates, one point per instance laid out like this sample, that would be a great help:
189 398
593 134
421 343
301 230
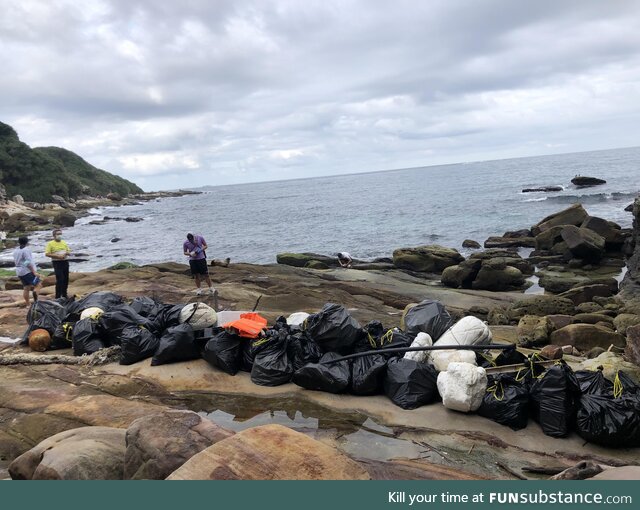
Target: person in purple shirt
195 248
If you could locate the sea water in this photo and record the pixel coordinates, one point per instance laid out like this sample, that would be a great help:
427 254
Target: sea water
368 215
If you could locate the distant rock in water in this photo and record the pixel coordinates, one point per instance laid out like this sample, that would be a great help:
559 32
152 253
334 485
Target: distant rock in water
115 239
470 243
584 182
545 189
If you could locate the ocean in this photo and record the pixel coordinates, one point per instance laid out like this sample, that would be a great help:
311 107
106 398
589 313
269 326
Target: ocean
368 215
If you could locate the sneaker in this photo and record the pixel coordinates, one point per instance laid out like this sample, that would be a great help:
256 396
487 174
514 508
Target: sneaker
198 292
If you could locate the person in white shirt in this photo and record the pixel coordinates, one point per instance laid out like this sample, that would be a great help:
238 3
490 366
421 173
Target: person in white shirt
27 270
345 259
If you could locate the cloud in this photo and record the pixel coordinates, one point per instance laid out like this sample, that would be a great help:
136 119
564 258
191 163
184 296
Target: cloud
236 91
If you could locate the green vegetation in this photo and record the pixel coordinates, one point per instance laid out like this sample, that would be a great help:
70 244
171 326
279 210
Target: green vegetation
38 173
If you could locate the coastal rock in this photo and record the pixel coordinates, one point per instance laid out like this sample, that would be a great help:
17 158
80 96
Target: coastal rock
586 293
471 244
585 182
541 306
3 195
611 363
459 276
159 444
560 321
583 243
65 219
629 208
586 336
624 321
18 199
632 349
552 352
588 307
316 264
87 453
302 259
534 331
57 199
133 219
547 239
498 277
581 471
592 318
427 259
505 257
630 286
619 473
270 452
116 239
545 189
507 242
114 196
523 232
612 234
573 215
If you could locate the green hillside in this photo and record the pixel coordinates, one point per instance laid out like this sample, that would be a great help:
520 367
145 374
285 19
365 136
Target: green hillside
38 173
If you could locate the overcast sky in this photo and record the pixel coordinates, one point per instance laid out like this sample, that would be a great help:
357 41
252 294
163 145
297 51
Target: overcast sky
189 93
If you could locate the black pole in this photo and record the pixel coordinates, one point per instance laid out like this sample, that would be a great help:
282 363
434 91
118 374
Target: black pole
501 347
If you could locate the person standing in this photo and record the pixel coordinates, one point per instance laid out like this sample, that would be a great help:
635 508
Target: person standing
27 270
195 248
58 251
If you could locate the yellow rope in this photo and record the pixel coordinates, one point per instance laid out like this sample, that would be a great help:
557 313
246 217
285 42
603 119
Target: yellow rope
494 390
617 386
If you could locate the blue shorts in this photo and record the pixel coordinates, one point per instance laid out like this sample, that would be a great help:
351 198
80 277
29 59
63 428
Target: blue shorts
29 280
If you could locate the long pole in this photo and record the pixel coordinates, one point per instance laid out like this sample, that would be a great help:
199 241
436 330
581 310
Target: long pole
502 347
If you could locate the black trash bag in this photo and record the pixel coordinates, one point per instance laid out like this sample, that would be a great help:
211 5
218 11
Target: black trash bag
62 337
137 343
43 314
627 385
333 329
167 317
102 299
428 316
593 382
410 384
146 306
506 402
553 400
113 323
510 357
224 351
302 350
609 421
370 339
86 337
367 374
484 359
246 359
330 377
392 339
177 343
271 364
532 371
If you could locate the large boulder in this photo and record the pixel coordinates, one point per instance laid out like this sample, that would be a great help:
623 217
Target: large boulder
583 243
586 336
582 181
504 257
159 444
428 259
624 321
461 275
541 305
611 363
586 293
270 452
549 238
471 244
573 215
534 331
18 199
632 349
497 276
508 242
87 453
630 286
612 234
65 219
302 259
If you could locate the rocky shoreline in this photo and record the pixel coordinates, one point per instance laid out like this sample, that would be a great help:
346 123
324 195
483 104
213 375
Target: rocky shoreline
582 316
18 217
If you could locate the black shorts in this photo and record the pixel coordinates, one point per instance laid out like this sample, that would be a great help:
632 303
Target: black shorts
199 266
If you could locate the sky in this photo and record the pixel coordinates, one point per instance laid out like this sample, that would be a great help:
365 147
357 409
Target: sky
176 94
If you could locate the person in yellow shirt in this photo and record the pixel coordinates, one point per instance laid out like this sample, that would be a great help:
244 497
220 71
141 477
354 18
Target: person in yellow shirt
59 251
